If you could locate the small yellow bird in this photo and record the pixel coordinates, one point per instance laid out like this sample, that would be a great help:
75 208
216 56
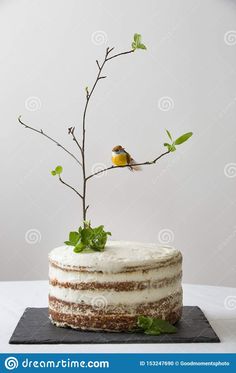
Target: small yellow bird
120 157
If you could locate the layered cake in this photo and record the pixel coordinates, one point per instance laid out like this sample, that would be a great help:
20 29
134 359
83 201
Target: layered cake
108 290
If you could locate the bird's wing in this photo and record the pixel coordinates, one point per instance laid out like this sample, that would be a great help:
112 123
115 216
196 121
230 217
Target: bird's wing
128 156
132 163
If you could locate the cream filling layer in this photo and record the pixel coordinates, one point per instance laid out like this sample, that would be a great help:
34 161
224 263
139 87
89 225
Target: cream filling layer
112 297
85 277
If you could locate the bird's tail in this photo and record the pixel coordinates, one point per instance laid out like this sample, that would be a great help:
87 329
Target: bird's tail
134 166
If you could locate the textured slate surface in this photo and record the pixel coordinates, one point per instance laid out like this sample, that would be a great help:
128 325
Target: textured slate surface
34 327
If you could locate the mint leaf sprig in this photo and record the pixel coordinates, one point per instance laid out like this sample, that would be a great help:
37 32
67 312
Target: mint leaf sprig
154 326
180 140
88 239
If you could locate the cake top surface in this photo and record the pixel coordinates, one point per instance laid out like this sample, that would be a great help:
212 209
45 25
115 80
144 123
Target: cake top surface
117 256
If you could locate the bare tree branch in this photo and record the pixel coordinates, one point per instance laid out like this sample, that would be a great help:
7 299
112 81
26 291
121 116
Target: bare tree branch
41 132
119 54
147 163
71 131
69 186
88 96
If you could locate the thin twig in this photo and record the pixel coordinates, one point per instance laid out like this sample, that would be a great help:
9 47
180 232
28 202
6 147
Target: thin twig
41 132
71 187
128 165
71 131
99 67
110 50
119 54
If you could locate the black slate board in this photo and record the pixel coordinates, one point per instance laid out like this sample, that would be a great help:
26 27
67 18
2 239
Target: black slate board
34 327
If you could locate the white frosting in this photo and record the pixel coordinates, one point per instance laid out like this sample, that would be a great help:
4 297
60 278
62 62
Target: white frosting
110 266
113 297
117 256
76 276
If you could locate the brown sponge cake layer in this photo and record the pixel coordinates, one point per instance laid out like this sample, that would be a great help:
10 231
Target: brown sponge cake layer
113 318
108 323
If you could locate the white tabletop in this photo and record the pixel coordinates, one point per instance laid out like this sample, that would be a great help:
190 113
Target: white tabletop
218 304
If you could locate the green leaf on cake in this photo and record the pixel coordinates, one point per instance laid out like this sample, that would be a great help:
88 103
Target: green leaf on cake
154 326
137 42
79 247
74 237
68 243
88 239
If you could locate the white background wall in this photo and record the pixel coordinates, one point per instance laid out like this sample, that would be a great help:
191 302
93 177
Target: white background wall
48 52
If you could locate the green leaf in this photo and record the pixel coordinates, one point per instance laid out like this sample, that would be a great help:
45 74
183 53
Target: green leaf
169 135
88 239
145 322
137 44
137 38
173 148
169 146
152 332
163 326
154 326
183 138
79 247
58 170
74 237
141 46
68 243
